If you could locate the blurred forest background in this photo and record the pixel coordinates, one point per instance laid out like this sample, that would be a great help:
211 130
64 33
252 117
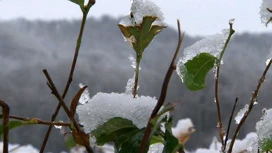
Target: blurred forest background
28 47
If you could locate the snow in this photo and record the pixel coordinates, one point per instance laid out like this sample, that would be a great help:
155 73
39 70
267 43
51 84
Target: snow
264 13
140 9
156 148
241 113
247 145
104 106
183 130
264 126
215 147
16 148
213 45
85 95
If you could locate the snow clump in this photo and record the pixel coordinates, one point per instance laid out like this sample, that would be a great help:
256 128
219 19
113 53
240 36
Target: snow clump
264 13
104 106
183 130
264 126
140 9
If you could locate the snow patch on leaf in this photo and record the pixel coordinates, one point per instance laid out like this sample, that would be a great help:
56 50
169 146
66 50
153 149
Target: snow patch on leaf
213 45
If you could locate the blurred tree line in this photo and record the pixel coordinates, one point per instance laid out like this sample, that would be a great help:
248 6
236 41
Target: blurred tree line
27 47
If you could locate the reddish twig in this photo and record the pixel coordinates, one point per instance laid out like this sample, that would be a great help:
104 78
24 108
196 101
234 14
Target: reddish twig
163 92
5 111
251 105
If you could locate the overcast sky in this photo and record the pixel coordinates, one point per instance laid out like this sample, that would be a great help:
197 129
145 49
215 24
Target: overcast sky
198 17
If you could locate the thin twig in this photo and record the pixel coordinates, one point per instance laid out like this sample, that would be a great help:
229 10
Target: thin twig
56 92
5 111
163 92
229 124
251 105
37 121
70 78
218 64
66 109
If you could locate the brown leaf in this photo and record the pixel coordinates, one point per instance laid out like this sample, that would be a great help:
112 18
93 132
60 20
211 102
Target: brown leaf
81 138
75 100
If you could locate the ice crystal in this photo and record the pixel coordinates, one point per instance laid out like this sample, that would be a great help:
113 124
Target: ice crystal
213 45
133 62
241 114
231 21
85 95
104 106
130 85
264 13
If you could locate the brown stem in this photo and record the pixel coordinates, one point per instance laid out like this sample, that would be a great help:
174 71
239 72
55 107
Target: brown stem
220 126
70 78
229 124
5 111
251 105
163 93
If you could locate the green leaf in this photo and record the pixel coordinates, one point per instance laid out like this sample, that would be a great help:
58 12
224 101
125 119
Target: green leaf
78 2
133 144
70 142
197 70
140 35
167 108
15 124
156 139
172 144
266 145
112 129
